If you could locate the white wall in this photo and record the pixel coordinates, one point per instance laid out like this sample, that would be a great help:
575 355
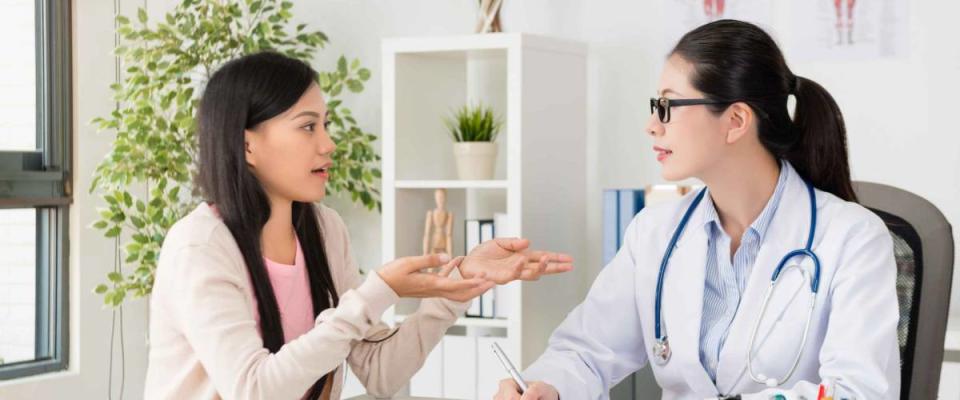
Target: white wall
899 113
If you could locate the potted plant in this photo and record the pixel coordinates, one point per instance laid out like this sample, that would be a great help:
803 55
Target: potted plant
474 130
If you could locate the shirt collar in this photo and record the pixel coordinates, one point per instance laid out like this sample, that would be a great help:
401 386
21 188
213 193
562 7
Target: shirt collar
762 223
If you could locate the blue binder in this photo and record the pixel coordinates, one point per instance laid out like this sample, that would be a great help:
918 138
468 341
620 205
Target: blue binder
619 208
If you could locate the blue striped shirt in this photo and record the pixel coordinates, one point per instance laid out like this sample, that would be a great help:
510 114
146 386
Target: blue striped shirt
726 280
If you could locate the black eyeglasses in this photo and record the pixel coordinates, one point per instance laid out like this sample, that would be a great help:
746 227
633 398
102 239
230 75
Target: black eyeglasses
662 105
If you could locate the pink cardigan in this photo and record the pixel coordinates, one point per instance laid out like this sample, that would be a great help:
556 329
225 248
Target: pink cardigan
204 343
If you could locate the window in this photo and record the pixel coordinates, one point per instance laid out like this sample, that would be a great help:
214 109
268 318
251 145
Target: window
34 185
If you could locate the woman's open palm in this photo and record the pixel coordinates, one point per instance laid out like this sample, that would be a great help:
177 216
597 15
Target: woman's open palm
507 259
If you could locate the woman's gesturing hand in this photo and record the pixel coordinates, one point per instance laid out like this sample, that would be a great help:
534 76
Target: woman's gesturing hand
406 277
507 259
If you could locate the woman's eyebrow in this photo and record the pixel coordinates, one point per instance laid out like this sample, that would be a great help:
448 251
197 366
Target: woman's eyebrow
306 113
665 91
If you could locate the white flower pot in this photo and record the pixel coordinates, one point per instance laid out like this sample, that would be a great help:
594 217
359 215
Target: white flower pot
475 160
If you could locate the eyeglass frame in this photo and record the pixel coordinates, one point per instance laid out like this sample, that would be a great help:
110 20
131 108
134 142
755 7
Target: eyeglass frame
655 105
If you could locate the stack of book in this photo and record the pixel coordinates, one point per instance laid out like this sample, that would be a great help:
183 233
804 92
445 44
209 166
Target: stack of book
621 205
479 231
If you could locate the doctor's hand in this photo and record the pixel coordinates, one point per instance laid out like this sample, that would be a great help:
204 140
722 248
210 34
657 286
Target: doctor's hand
407 277
535 391
507 259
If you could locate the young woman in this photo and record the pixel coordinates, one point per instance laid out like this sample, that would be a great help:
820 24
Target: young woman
256 294
688 291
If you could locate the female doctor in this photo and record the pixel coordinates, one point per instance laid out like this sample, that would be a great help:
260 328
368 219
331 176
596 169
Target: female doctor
692 292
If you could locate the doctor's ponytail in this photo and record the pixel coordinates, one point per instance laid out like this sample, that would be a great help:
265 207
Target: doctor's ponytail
736 61
820 153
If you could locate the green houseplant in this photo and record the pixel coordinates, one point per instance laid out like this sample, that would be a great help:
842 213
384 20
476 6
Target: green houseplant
146 177
474 130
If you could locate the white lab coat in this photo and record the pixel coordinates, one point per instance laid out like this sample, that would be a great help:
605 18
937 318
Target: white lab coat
853 332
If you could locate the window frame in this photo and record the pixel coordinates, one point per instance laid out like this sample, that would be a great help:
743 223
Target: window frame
42 180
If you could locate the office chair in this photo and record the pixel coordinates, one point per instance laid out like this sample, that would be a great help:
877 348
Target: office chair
923 248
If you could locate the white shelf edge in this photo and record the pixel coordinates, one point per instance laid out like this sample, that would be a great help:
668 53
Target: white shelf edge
450 184
470 321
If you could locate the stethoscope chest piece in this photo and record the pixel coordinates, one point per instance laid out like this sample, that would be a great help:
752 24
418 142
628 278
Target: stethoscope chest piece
661 351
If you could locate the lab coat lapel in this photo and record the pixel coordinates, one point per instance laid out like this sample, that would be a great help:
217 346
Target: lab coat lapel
683 305
787 231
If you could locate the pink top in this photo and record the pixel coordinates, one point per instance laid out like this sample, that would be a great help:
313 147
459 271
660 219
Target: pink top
291 287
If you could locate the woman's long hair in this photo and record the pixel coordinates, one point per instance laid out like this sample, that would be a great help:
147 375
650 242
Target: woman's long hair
240 95
736 61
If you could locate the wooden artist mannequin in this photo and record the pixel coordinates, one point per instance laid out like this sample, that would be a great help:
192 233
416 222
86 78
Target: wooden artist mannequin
438 227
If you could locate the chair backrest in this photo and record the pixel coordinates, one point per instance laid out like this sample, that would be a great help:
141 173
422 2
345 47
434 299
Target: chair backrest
923 247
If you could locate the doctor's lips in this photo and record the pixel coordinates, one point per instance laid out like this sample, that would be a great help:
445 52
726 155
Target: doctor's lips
662 153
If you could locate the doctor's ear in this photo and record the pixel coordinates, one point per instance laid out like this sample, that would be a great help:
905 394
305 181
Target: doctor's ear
739 118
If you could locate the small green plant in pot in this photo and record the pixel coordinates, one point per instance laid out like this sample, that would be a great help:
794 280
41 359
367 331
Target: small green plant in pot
474 130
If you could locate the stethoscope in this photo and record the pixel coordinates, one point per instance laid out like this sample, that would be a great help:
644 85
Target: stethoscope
661 349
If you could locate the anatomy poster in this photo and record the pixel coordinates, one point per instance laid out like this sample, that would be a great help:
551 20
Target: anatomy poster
848 29
682 16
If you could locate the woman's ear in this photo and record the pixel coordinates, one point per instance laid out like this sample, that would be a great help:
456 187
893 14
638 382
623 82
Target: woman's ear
248 145
739 118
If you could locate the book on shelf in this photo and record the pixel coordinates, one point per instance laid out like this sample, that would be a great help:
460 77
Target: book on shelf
503 294
479 231
620 206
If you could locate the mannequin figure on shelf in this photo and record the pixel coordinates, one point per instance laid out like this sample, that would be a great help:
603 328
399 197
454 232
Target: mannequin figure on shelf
488 21
438 227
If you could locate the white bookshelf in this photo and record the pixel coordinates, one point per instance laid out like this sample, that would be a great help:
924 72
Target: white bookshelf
538 85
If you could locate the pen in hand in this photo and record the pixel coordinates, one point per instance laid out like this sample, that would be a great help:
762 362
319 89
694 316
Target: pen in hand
509 367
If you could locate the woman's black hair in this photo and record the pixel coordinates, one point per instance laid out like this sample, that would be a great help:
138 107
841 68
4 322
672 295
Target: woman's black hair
735 61
240 95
